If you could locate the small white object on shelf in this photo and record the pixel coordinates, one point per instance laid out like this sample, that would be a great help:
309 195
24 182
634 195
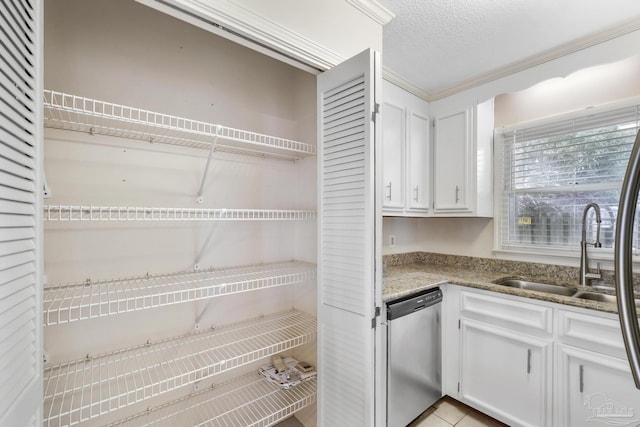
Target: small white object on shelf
78 113
87 300
287 377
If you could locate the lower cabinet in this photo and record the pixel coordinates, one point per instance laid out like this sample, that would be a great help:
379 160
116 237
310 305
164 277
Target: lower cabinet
534 363
595 389
505 373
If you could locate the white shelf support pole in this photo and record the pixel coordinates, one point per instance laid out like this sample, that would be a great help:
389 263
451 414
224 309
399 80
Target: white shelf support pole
199 198
196 263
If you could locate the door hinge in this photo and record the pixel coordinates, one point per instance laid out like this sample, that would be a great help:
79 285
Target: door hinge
376 111
458 386
373 321
459 321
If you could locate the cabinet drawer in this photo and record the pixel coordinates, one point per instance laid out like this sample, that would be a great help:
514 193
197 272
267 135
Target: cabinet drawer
506 312
591 331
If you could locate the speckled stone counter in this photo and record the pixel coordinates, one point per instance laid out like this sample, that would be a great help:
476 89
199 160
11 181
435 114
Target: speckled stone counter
409 273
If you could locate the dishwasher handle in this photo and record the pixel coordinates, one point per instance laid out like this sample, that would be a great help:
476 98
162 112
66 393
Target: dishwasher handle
413 303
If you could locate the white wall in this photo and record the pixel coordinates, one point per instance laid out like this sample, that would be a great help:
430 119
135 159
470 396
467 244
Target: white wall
124 52
584 88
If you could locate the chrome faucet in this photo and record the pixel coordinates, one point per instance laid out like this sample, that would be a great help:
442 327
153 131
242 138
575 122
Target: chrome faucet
585 276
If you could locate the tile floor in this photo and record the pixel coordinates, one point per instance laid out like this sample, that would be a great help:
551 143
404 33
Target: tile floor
448 412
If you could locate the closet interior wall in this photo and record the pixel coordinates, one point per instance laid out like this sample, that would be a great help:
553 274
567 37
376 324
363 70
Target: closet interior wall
123 52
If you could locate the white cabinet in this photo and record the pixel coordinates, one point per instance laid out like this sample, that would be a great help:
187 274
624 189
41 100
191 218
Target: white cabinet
462 162
504 372
595 388
406 153
513 357
594 379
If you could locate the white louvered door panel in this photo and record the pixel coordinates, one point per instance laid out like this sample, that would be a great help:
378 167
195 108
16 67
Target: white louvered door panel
20 213
347 243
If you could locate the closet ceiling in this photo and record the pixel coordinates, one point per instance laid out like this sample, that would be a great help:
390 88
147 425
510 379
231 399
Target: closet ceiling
443 46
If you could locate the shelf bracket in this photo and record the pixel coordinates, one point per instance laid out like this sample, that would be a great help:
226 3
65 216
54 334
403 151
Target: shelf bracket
46 190
196 263
199 198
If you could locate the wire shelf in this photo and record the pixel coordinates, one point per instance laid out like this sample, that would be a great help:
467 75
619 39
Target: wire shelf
87 300
77 113
127 213
85 389
247 401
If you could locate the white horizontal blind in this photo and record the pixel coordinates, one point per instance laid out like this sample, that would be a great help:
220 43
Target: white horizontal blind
20 218
552 171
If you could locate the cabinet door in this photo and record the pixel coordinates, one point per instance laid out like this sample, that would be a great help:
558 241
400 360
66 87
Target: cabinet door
393 132
20 214
453 169
419 161
595 389
505 374
349 276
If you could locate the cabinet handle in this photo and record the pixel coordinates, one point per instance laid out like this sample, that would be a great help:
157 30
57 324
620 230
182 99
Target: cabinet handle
581 378
457 194
528 361
416 191
389 187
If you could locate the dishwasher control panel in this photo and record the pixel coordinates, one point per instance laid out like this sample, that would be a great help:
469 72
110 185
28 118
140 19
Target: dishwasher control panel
403 306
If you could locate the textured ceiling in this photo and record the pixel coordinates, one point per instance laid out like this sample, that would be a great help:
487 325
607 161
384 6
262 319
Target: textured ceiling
439 44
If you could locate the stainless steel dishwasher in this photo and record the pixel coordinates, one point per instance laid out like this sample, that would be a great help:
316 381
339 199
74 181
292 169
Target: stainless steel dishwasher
414 342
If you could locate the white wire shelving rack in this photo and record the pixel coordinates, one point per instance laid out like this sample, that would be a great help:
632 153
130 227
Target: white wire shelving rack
78 113
128 213
85 389
248 401
86 300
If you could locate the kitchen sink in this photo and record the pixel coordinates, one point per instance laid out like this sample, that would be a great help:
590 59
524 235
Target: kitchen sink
594 296
559 290
534 286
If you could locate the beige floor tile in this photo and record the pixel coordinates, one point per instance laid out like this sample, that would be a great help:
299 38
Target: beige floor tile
475 419
450 412
434 421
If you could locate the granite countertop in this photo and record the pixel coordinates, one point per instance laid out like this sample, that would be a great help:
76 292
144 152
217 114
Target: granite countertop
405 279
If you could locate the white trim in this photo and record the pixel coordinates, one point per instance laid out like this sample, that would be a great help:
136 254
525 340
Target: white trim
396 79
236 23
374 10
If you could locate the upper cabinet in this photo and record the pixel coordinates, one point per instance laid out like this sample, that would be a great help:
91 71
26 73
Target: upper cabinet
406 153
462 162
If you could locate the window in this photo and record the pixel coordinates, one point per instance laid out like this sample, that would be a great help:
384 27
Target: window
551 170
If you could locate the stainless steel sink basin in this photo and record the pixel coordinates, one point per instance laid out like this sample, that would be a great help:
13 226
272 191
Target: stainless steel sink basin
534 286
594 296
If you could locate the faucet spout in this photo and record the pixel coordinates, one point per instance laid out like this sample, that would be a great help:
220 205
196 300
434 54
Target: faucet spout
584 261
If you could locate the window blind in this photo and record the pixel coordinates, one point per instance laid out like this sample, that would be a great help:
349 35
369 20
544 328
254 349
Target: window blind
551 171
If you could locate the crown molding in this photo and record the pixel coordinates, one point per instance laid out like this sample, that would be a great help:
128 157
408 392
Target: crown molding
565 49
237 23
395 78
374 10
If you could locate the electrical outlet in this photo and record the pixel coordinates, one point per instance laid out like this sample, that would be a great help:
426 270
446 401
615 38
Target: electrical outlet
392 241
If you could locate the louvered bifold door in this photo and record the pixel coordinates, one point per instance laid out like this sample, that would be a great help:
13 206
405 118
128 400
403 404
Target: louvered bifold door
20 214
347 243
